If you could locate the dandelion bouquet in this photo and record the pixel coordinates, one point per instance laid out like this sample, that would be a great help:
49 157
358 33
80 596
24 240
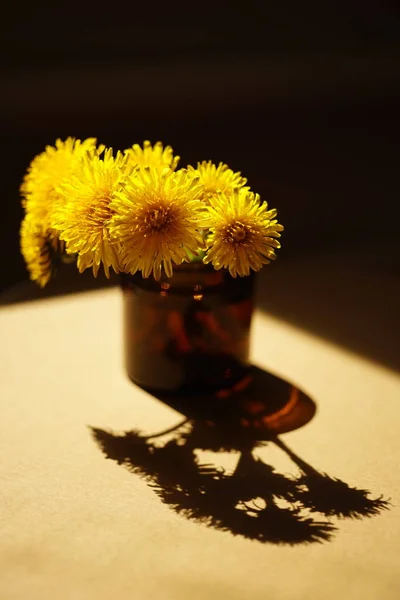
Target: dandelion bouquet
136 212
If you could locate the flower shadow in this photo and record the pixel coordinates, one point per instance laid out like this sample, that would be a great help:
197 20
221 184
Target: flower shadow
254 500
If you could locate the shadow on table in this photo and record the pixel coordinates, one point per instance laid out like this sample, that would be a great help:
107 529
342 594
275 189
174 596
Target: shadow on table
254 501
68 281
340 297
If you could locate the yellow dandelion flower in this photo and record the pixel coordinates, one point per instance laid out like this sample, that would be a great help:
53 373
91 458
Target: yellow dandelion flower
217 179
46 171
242 232
152 156
36 250
83 221
156 219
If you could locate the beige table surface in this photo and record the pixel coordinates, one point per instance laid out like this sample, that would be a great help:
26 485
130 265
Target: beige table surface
77 526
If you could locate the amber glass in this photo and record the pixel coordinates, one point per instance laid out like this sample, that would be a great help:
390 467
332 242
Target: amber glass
189 333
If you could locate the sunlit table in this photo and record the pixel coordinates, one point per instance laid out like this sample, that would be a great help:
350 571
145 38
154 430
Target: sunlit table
78 526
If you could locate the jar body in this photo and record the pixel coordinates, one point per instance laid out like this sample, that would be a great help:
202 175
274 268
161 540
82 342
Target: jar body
189 333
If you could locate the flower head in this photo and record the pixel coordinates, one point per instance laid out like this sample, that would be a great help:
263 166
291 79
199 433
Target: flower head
242 232
36 250
152 156
39 187
217 179
156 219
83 220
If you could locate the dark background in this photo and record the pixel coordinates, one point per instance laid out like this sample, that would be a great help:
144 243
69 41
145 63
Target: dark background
303 98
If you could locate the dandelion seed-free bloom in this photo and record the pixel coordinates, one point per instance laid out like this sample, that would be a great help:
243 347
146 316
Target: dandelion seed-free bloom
156 219
242 232
135 211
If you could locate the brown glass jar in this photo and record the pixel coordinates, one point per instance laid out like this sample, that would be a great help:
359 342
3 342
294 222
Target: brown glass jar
188 333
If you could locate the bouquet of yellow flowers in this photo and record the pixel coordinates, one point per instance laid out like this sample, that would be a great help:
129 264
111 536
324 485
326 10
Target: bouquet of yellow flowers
134 211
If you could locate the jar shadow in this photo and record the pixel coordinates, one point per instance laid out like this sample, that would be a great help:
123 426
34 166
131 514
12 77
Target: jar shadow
253 500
